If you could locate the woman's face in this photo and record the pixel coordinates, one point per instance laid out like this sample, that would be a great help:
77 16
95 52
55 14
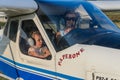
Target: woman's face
70 20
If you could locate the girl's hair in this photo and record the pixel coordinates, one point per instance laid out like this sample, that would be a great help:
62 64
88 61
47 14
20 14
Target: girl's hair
35 32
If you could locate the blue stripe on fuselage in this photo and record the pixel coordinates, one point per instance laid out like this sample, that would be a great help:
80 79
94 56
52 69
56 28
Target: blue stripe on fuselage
32 74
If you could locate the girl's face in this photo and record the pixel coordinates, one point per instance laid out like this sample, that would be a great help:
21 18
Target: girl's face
38 40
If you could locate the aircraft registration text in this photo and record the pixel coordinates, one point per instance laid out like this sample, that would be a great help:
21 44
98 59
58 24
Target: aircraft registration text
101 76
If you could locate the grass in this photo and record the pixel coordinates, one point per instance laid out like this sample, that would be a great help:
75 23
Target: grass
1 78
114 16
1 26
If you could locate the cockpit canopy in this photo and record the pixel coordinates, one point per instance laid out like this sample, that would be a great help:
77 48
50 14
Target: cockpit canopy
90 24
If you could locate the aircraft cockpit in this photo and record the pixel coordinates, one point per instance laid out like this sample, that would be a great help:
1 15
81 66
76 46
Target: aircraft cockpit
91 24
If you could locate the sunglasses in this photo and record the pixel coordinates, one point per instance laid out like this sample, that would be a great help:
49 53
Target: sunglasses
70 18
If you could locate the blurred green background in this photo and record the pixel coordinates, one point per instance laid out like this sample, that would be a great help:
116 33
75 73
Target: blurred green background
114 16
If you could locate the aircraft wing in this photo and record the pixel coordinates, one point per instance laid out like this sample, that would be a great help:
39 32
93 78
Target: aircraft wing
107 5
17 7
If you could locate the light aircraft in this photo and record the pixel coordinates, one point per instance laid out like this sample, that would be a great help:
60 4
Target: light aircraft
91 51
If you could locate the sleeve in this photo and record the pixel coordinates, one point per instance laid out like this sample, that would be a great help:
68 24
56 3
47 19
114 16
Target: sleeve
44 49
62 32
31 49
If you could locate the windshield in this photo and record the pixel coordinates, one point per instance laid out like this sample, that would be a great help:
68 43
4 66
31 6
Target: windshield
69 23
